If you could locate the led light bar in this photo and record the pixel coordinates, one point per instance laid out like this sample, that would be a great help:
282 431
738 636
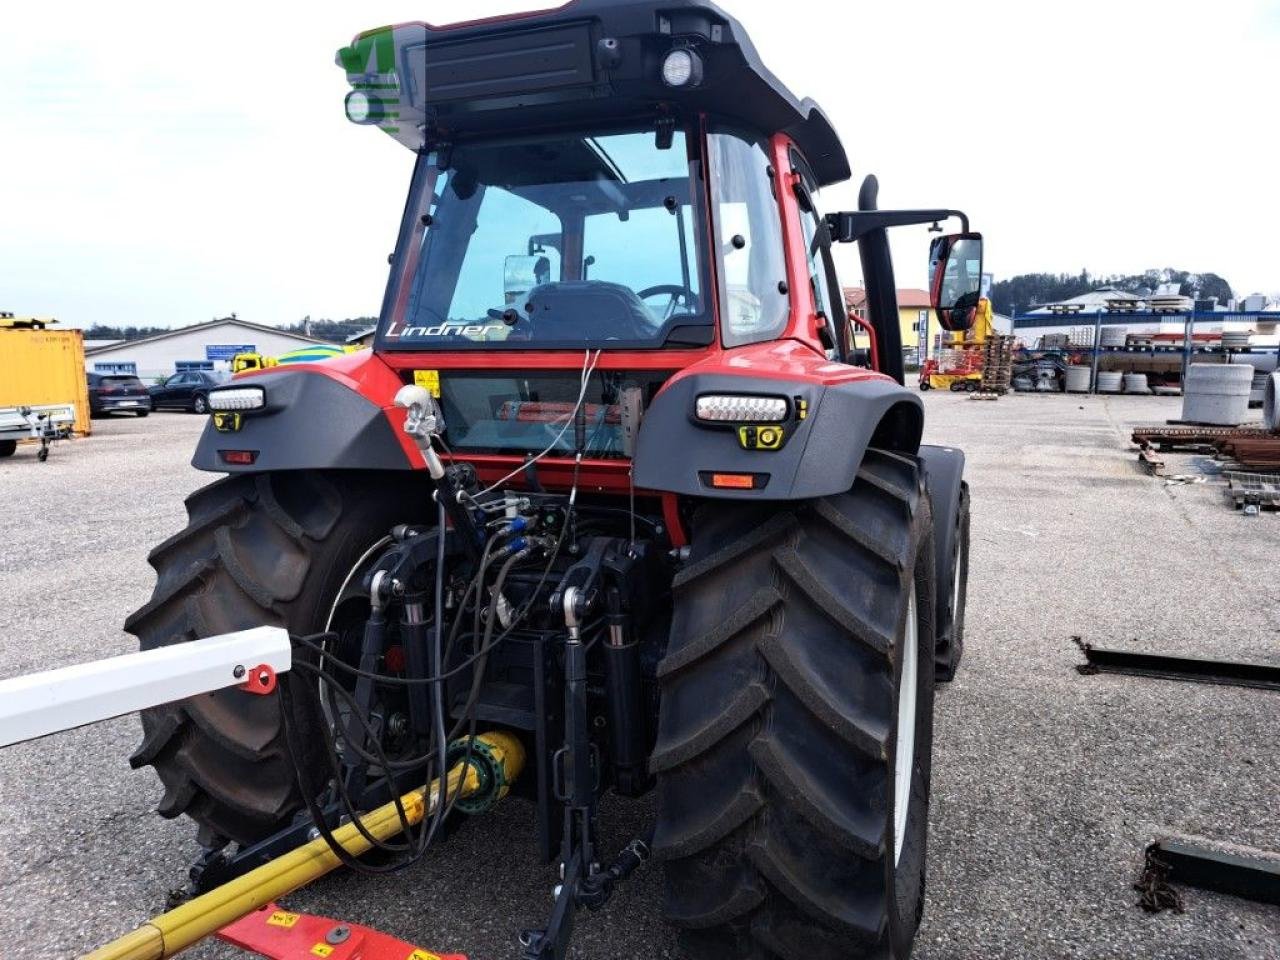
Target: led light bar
237 398
731 408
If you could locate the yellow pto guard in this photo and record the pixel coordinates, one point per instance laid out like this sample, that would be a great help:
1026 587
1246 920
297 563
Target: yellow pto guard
495 763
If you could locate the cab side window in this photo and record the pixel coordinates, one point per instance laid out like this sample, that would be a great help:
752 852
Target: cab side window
754 302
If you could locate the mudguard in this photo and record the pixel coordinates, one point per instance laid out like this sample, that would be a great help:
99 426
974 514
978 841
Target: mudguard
827 431
943 469
312 421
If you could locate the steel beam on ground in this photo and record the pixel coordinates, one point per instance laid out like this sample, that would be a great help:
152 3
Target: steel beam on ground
1164 667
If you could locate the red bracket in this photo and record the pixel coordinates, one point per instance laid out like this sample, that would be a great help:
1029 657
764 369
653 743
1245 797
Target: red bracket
281 935
261 680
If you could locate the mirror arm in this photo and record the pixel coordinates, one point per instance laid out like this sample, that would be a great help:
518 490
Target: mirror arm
849 226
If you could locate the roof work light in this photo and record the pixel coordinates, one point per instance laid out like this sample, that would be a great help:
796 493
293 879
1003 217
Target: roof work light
364 109
682 68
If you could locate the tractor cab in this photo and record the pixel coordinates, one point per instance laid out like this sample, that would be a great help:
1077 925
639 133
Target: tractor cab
606 175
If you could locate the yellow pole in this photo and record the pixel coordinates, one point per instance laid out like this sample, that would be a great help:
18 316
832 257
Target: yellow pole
173 932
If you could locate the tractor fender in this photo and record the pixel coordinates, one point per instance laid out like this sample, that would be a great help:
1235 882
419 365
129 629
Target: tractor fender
312 421
828 430
943 469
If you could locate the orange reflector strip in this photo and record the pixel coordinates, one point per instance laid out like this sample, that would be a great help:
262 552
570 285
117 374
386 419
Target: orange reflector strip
733 481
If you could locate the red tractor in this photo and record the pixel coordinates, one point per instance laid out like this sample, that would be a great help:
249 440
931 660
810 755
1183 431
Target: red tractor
609 480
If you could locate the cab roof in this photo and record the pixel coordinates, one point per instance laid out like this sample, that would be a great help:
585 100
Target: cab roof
587 62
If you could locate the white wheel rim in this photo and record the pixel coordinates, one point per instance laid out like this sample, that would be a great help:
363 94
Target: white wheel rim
955 595
905 756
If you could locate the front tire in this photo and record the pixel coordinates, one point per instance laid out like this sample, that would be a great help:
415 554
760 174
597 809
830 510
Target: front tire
8 448
777 754
260 549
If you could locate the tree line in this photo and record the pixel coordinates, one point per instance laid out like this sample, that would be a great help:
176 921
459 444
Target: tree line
1030 290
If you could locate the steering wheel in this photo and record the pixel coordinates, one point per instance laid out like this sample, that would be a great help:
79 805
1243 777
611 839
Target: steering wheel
676 292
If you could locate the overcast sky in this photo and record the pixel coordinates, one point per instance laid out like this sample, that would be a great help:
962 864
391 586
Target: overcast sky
164 163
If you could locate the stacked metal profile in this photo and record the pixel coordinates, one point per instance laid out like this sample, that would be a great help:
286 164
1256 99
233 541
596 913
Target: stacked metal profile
1261 490
1252 448
1236 339
1113 337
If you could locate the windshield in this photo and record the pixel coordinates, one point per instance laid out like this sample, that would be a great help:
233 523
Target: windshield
563 241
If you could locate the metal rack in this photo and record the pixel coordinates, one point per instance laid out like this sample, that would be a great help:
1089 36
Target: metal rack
1188 349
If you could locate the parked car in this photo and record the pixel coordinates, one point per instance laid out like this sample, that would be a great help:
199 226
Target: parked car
186 391
117 393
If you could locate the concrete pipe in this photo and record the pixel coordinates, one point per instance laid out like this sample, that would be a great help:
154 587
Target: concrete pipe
1110 381
1136 383
1079 378
1271 403
1217 394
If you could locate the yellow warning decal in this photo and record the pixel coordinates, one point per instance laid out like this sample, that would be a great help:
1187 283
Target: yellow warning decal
282 918
322 950
423 955
429 379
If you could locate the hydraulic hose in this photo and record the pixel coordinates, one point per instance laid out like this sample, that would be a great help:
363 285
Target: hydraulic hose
495 764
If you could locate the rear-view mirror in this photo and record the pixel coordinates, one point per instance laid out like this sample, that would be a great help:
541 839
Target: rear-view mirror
955 279
521 274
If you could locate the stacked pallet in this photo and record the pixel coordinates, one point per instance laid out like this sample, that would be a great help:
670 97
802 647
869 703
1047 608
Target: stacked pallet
997 364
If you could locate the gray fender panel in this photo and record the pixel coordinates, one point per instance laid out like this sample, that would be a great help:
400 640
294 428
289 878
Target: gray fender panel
311 422
822 453
943 475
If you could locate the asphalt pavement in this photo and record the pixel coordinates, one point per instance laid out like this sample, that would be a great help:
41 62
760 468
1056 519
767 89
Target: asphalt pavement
1047 784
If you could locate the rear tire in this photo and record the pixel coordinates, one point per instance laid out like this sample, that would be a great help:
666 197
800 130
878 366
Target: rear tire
777 747
8 448
200 404
259 549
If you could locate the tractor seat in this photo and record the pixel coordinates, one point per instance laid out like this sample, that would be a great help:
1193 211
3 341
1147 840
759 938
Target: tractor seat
588 312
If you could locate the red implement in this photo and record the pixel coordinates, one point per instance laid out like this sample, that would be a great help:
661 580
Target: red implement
283 935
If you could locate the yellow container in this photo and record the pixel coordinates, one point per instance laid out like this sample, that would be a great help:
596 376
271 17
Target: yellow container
44 366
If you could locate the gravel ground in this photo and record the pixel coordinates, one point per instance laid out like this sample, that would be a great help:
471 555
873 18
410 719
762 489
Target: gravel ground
1047 785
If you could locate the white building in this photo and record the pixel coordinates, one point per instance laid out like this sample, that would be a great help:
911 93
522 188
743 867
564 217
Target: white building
204 346
1095 301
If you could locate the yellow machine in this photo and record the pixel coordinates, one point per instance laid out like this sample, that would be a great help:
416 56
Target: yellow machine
251 361
959 365
256 361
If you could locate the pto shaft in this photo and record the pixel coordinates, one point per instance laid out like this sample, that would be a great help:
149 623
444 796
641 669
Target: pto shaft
497 759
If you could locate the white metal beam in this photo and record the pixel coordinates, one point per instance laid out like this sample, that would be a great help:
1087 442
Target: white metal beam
43 703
